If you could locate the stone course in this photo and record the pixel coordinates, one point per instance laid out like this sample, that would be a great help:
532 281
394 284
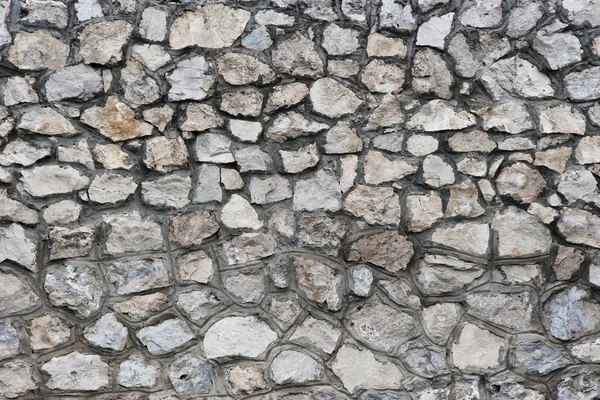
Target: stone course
300 199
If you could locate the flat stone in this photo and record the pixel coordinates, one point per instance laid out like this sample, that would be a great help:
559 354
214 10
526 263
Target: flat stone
213 147
211 26
581 86
171 191
521 182
16 379
388 113
294 367
586 350
192 79
242 103
238 213
376 205
245 131
340 41
191 376
389 250
497 118
70 243
433 32
248 247
111 188
317 333
401 292
297 56
245 379
9 340
588 150
77 288
153 25
381 77
166 336
247 337
579 13
88 9
189 229
245 287
50 12
19 246
380 326
578 226
258 39
75 82
23 152
320 282
342 139
16 295
78 153
439 320
464 201
129 232
520 234
292 125
321 233
481 13
421 145
253 159
562 118
379 45
103 42
138 308
152 56
466 61
17 90
47 332
287 95
299 160
46 121
523 18
76 372
111 156
106 333
478 350
379 169
374 373
137 275
423 210
396 17
555 159
244 69
431 74
343 68
424 360
285 310
200 305
139 88
578 184
516 76
439 115
333 99
535 356
558 48
322 191
37 50
437 172
470 237
438 274
135 372
115 121
271 17
231 179
514 310
571 313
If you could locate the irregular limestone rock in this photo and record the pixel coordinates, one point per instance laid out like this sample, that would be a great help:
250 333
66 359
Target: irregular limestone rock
320 282
520 234
294 367
431 74
380 326
166 336
245 379
423 210
342 139
135 372
389 250
521 182
437 172
268 190
141 307
70 243
379 169
77 372
200 305
75 82
245 287
332 99
16 295
562 118
138 87
50 180
247 337
18 246
439 115
535 356
379 45
510 116
111 188
129 232
16 379
106 333
137 275
558 48
317 333
470 237
38 50
243 69
373 373
322 191
171 191
211 26
238 213
302 159
582 86
192 79
433 32
213 147
518 77
116 121
581 227
48 331
514 310
22 152
376 205
248 247
478 350
103 42
191 376
190 229
340 41
9 340
381 77
439 320
297 56
286 95
292 125
481 13
571 313
46 121
438 274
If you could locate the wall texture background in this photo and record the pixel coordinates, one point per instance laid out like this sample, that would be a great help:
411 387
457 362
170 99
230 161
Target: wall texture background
300 199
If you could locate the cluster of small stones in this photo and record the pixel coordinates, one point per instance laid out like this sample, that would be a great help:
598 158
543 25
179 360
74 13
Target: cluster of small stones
300 199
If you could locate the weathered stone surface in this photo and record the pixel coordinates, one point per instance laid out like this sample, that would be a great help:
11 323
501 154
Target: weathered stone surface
431 74
106 333
75 82
192 79
48 331
381 77
171 191
322 191
15 295
581 86
376 205
438 115
200 305
294 367
152 56
79 288
578 184
520 234
373 373
297 56
388 250
332 99
342 139
558 48
247 337
19 246
135 372
103 42
422 211
533 355
509 116
478 350
268 190
380 326
284 96
580 13
130 232
16 379
515 310
379 45
9 340
245 379
521 182
77 372
212 26
320 282
248 247
438 274
481 13
317 333
396 17
191 376
439 320
243 69
138 87
116 121
578 226
23 153
141 307
379 169
245 287
518 77
70 243
166 336
192 228
38 50
137 275
292 125
571 314
166 155
46 121
469 237
111 188
242 103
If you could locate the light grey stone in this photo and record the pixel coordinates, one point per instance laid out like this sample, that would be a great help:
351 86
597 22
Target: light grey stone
317 333
248 247
438 274
340 41
379 169
77 372
287 95
361 281
342 139
294 367
171 191
192 228
520 234
107 333
297 56
75 82
534 355
578 226
246 287
140 307
523 18
244 69
259 39
19 246
242 103
320 282
37 50
434 31
333 99
116 121
47 332
439 115
285 310
509 116
580 13
130 232
571 313
88 9
238 213
245 379
397 17
111 188
152 56
9 340
136 372
153 25
79 288
518 77
431 74
466 61
138 87
562 118
208 186
514 310
469 237
521 182
558 48
437 172
481 13
213 147
247 337
292 125
192 79
424 360
23 152
322 191
253 159
191 376
478 350
16 379
103 42
381 77
70 243
46 121
18 89
389 250
376 205
137 275
379 45
576 184
200 305
439 320
16 295
166 155
401 292
166 336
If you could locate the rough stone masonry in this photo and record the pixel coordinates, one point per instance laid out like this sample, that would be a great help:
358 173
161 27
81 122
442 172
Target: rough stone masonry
300 199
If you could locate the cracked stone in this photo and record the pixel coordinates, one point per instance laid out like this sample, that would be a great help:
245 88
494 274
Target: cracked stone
46 121
192 79
438 274
16 295
520 234
135 372
381 77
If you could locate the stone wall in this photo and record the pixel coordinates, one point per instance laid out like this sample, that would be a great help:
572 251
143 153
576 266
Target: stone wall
300 199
